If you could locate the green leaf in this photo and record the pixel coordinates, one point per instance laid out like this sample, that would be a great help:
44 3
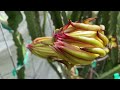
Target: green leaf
85 71
113 23
65 19
54 68
118 28
81 16
103 18
118 36
17 37
109 74
114 56
56 17
75 16
87 14
15 17
44 22
84 15
32 18
112 31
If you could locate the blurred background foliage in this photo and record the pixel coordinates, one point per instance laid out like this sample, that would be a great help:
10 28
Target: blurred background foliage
111 19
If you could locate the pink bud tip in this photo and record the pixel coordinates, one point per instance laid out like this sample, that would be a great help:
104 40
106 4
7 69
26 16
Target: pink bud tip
29 46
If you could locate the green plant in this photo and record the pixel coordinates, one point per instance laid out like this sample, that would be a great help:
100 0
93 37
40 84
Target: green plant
110 19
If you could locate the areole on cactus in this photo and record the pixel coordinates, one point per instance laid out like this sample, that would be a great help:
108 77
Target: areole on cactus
75 43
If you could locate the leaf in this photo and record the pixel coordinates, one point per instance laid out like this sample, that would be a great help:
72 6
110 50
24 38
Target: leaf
118 36
56 17
32 18
75 16
113 23
65 19
81 16
103 18
118 28
20 52
109 74
84 71
85 14
114 56
44 22
112 31
14 18
54 67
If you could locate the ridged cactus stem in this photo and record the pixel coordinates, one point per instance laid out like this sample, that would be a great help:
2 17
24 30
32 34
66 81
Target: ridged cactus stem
15 17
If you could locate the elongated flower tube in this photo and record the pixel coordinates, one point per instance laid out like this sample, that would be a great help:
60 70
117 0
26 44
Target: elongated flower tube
41 47
73 44
73 54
